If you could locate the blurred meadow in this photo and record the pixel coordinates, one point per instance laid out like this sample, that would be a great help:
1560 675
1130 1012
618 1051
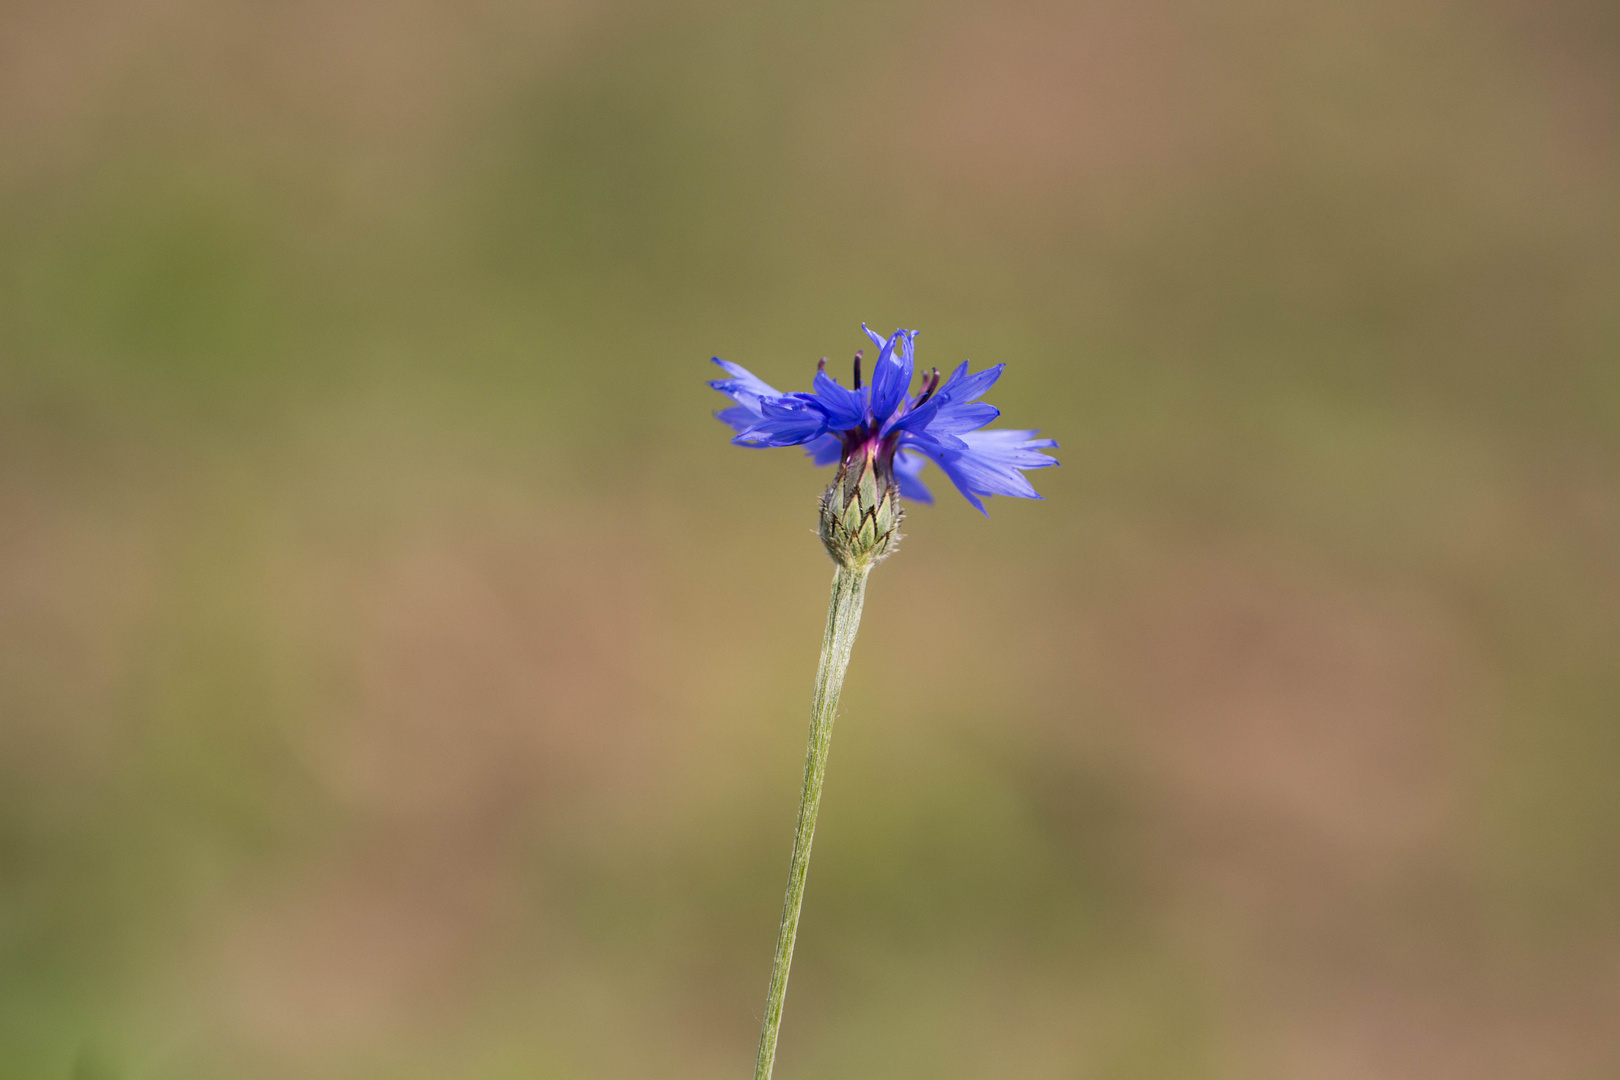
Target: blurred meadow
401 677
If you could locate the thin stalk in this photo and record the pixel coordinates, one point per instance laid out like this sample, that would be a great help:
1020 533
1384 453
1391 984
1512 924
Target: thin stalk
843 619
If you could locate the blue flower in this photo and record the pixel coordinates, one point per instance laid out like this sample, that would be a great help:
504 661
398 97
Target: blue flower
899 432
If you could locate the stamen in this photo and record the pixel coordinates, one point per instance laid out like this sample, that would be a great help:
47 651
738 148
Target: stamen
821 365
858 353
928 391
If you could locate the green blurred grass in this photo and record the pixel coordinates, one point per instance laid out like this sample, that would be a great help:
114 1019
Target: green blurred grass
401 677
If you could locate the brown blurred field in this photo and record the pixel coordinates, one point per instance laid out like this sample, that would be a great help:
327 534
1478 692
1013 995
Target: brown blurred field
400 676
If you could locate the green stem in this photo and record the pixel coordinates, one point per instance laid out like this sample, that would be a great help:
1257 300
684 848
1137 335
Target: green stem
843 619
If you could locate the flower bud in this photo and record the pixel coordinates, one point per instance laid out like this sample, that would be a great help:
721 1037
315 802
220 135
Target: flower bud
860 511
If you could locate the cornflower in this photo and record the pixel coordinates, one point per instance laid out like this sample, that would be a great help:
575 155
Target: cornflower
882 436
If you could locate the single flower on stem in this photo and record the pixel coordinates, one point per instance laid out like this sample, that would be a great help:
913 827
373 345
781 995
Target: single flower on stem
882 436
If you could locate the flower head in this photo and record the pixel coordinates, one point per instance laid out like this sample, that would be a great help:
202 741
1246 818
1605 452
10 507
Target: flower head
884 427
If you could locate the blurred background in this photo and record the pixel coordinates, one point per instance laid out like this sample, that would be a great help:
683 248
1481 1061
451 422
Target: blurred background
401 677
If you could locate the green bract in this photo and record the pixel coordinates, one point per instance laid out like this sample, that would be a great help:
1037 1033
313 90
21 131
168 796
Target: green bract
861 514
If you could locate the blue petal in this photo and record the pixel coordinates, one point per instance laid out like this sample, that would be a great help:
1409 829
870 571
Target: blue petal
877 339
963 483
891 378
748 391
962 387
915 419
1017 448
906 468
958 419
742 381
991 463
790 420
825 450
939 417
845 409
929 441
740 417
